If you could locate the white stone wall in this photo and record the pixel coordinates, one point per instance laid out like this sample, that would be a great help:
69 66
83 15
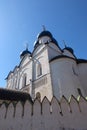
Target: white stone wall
82 67
27 69
65 78
53 51
42 83
10 81
47 115
44 87
42 58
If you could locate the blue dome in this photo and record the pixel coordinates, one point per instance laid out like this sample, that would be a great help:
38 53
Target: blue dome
22 54
45 33
69 49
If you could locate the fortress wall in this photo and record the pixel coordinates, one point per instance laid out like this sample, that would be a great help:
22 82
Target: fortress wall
44 115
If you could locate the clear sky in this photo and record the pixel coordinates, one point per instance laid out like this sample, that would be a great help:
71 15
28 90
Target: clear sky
22 20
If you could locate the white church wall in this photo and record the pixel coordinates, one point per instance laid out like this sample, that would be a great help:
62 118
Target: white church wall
67 81
24 61
42 83
82 67
44 87
15 80
53 51
41 57
45 115
38 49
10 80
44 61
28 71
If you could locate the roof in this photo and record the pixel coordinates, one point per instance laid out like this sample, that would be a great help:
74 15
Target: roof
78 61
23 53
45 33
8 75
14 95
81 61
61 56
53 40
69 49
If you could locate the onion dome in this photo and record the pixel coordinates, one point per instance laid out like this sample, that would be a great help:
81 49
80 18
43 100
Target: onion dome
25 52
69 49
45 33
45 37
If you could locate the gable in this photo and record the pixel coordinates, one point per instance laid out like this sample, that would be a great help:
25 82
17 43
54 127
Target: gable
24 61
38 49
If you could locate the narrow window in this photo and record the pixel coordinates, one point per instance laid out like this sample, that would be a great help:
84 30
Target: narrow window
79 91
24 80
16 83
39 69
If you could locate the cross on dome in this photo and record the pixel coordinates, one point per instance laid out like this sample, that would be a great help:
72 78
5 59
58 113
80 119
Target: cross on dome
26 45
64 44
44 28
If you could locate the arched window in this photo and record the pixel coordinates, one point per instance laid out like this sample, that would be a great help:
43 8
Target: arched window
38 96
24 80
39 69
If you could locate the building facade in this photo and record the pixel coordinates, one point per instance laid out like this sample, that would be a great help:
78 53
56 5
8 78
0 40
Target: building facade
49 70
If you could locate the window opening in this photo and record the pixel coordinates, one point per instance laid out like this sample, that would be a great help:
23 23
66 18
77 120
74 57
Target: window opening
24 80
39 70
38 96
79 91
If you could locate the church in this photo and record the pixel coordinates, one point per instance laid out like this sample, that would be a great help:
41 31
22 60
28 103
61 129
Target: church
49 71
47 90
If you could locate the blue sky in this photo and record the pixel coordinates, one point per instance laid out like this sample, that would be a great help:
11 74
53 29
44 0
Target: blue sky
22 20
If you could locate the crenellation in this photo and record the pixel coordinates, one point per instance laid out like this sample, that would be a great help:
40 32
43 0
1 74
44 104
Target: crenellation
56 108
74 104
65 107
37 116
19 110
10 111
37 107
41 107
83 105
45 106
28 108
46 114
3 111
